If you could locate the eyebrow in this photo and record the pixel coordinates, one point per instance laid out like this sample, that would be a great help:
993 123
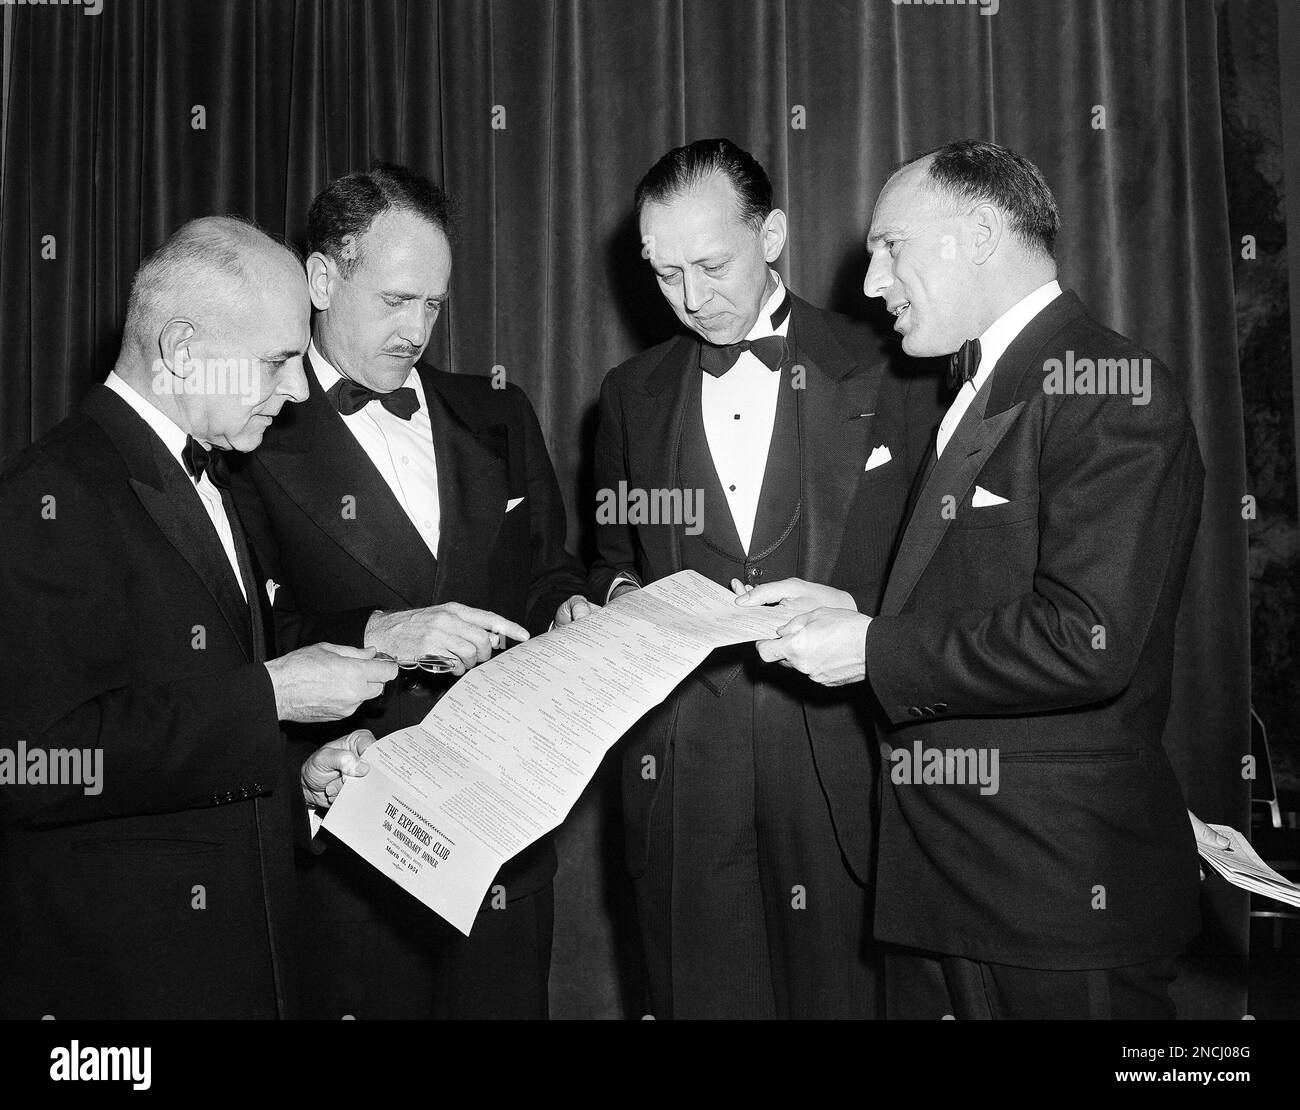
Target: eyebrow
881 235
708 260
408 296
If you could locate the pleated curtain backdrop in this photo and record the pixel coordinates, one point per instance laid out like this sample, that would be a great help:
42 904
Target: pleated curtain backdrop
540 116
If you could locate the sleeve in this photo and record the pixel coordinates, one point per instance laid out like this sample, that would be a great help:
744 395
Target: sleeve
1119 499
555 574
615 540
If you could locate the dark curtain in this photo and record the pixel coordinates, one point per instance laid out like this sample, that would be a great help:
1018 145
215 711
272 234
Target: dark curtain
540 115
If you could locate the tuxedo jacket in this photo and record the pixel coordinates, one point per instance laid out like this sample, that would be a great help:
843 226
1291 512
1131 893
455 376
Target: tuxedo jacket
168 893
1042 628
851 405
339 546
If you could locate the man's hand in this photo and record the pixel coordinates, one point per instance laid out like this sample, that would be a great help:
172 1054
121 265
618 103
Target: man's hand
793 595
458 631
828 645
1206 835
325 769
578 606
574 609
326 682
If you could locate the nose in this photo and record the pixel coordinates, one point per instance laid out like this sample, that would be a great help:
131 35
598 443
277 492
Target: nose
293 380
880 275
416 323
696 291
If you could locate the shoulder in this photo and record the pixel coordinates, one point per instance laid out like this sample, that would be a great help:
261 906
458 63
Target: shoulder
73 474
478 399
633 371
76 451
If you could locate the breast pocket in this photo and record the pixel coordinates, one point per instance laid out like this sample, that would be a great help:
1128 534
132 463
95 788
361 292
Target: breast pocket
995 516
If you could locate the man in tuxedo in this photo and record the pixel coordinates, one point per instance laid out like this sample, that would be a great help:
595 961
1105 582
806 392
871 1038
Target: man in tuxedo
415 511
747 793
1035 858
146 801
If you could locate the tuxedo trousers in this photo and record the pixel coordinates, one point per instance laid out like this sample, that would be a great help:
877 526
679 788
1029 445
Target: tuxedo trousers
410 964
747 907
926 986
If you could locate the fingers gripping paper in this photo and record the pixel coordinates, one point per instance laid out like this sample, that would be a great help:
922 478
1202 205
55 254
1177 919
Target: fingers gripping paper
506 752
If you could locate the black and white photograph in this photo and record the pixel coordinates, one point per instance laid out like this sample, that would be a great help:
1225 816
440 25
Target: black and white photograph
610 511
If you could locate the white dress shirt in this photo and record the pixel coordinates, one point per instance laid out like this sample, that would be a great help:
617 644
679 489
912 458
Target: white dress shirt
997 337
739 414
173 437
402 450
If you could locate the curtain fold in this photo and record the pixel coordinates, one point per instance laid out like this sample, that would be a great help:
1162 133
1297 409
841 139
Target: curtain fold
540 116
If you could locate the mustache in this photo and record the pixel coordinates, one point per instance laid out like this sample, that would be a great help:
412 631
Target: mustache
404 351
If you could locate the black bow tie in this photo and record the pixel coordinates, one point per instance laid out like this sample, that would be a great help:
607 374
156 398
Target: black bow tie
348 397
198 459
769 350
965 361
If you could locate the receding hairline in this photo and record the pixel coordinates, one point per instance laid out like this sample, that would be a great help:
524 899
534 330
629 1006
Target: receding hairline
206 270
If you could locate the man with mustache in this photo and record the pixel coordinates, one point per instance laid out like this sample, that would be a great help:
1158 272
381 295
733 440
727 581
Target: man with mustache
417 512
747 794
134 636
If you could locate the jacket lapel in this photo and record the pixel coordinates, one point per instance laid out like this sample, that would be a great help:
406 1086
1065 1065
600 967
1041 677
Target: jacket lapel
318 462
990 416
670 385
833 436
473 487
169 497
953 474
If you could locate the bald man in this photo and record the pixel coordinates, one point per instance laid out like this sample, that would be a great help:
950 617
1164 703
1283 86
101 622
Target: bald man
145 850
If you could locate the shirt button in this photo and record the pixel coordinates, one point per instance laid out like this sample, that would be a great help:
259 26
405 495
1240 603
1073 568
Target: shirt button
405 460
427 525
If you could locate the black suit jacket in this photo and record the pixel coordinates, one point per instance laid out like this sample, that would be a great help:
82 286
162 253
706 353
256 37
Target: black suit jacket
335 568
850 405
167 894
1043 628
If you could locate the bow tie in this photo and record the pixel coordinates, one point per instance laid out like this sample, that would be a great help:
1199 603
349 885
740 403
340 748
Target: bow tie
965 361
348 397
198 459
769 350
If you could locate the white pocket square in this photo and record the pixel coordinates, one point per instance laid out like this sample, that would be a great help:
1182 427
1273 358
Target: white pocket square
983 499
879 456
514 503
271 586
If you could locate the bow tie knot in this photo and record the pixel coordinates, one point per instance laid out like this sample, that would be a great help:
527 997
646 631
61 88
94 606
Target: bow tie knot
212 460
964 364
769 350
348 397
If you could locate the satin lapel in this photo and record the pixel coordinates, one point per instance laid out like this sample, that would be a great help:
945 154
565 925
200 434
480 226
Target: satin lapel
974 439
169 497
318 462
833 437
660 427
473 488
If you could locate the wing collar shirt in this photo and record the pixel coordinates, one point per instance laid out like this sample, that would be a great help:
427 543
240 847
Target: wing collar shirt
739 414
997 337
401 450
173 437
